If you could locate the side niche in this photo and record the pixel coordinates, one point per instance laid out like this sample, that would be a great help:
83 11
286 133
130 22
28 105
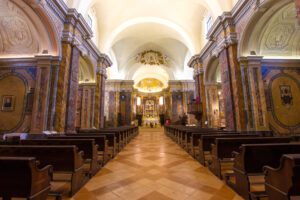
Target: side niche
16 31
12 102
285 97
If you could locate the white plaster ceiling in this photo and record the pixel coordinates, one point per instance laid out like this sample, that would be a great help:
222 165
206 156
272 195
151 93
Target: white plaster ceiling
125 28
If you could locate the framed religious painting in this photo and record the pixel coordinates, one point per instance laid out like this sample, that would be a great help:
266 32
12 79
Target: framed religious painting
8 103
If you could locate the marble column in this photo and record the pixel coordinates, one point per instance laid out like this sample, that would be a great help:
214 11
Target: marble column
297 2
232 89
63 87
53 95
98 98
73 86
40 106
102 117
201 87
213 107
257 94
88 105
117 107
247 93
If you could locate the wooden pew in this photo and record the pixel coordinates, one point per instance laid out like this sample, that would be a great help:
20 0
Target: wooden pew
222 149
249 162
67 162
20 177
115 139
100 141
195 138
88 146
284 182
206 141
112 148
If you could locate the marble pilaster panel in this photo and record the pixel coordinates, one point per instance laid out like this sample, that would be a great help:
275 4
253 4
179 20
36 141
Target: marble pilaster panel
40 106
237 88
98 99
102 102
52 96
213 107
257 93
88 106
72 91
297 2
227 90
63 87
202 96
247 93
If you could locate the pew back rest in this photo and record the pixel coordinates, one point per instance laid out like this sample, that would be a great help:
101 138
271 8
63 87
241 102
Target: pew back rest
86 145
225 146
207 140
16 173
62 158
196 136
99 139
20 177
109 136
253 157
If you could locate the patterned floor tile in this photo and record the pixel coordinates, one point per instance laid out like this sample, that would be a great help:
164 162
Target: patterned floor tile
153 167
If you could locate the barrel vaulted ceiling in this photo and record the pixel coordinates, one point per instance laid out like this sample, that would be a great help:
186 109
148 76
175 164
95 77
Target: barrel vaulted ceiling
126 29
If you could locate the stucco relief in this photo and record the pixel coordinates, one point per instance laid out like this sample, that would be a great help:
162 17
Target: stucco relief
280 36
280 33
15 31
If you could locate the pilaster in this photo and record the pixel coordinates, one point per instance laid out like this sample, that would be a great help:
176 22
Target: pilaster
257 94
297 3
200 87
73 86
103 63
63 87
41 97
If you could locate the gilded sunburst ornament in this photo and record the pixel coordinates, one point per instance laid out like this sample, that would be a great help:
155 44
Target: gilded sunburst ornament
151 57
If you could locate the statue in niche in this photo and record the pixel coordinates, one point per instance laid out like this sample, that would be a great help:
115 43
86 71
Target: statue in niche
286 95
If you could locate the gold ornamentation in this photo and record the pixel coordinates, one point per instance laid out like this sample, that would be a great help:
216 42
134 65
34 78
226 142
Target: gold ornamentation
151 57
150 85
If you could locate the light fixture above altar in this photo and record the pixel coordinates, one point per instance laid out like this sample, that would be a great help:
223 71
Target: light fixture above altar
150 85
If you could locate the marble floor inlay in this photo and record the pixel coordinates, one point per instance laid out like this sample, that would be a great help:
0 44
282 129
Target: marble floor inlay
153 167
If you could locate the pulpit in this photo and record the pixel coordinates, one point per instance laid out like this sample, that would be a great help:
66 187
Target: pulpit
195 108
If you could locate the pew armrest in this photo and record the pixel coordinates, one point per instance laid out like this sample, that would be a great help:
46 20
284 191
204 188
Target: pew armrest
41 178
235 154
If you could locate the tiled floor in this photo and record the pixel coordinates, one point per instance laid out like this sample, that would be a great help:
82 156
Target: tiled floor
153 167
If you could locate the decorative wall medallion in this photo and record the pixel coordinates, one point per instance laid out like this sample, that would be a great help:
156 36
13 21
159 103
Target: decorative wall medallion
286 95
15 30
279 36
151 57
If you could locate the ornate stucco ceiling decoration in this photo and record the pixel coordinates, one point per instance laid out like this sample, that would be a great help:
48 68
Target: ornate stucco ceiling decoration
151 57
150 85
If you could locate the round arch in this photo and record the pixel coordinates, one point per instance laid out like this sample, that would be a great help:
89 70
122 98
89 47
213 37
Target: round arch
87 73
212 71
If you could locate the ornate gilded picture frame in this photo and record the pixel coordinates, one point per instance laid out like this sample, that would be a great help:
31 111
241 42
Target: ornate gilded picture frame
8 103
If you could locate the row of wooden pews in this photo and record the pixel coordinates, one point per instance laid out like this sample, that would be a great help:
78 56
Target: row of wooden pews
42 165
256 165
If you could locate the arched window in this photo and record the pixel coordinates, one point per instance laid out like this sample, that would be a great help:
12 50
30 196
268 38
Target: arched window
208 24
